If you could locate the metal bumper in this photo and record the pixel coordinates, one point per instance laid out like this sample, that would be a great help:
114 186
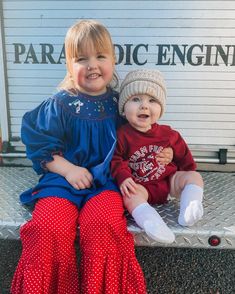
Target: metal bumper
218 220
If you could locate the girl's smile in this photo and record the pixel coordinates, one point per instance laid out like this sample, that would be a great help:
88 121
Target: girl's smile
93 76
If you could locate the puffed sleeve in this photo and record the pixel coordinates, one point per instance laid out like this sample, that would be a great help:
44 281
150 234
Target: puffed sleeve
42 132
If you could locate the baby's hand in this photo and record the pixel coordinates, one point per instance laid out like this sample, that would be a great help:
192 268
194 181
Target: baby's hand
165 156
79 177
128 186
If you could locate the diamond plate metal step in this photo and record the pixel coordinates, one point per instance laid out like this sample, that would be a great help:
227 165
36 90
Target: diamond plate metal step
219 208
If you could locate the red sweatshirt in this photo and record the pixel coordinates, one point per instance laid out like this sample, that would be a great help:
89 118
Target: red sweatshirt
135 154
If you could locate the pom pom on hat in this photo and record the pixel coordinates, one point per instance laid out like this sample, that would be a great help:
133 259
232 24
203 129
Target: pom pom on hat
144 81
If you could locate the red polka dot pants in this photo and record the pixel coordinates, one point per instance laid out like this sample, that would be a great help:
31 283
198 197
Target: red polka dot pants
48 264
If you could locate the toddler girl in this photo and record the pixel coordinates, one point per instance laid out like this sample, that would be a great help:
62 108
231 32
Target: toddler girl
70 138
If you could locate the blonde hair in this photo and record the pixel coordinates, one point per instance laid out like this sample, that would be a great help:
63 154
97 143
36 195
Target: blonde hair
82 35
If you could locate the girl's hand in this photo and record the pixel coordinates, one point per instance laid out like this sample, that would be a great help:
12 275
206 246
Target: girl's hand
128 186
79 177
165 156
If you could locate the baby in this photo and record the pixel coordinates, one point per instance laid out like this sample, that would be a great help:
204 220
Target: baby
141 178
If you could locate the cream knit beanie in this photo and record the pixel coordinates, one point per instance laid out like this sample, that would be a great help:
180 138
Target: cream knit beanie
143 81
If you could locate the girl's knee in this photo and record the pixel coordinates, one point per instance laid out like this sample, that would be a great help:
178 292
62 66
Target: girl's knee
54 216
104 209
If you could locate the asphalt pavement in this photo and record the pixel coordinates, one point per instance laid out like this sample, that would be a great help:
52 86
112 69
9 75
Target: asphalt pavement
167 270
